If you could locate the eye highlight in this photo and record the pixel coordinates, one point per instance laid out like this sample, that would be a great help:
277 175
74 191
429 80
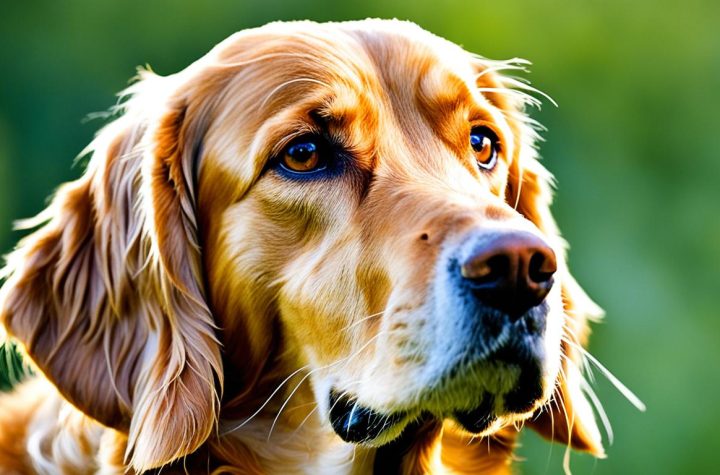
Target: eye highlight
485 144
303 155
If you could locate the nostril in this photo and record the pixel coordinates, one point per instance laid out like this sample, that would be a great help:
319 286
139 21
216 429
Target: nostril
486 270
542 267
510 271
498 268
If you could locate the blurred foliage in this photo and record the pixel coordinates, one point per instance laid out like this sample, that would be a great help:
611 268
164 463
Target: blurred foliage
11 369
634 146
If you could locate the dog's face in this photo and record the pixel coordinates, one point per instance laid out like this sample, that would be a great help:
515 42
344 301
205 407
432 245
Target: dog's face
358 202
380 223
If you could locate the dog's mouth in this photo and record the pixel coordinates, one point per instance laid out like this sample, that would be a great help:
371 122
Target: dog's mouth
479 419
357 423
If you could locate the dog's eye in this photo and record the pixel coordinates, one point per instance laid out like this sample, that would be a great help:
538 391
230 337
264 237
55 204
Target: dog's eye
303 156
484 143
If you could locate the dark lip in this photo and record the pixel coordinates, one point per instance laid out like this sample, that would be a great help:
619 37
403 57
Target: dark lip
356 423
479 419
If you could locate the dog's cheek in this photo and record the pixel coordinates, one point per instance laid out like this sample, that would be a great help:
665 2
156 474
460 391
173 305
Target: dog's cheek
302 238
319 299
244 256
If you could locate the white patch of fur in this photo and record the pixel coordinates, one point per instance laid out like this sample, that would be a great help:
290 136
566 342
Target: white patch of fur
61 436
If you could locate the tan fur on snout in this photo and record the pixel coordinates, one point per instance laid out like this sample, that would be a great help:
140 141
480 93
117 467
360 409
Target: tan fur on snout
192 305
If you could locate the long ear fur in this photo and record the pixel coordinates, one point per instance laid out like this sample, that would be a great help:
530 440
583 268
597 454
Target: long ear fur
106 296
569 417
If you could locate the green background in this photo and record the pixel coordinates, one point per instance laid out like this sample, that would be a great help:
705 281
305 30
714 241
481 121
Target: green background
634 145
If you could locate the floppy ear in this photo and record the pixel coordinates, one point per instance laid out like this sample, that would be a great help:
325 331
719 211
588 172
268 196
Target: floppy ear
568 418
106 295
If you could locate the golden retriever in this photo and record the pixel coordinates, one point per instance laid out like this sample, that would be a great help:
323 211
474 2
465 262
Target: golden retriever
321 248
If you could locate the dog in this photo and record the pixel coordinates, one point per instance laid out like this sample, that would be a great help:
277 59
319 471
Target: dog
320 248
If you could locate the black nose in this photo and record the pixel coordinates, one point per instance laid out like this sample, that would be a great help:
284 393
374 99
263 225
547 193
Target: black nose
511 271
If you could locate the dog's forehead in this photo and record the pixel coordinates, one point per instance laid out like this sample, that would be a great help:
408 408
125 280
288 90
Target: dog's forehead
370 56
384 75
408 59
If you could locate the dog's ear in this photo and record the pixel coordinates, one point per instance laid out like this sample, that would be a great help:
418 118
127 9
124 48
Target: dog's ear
106 295
568 418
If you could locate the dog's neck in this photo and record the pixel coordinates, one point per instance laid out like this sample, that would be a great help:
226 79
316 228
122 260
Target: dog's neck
298 441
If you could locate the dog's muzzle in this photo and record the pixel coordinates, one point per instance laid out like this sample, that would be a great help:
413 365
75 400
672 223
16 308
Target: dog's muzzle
490 299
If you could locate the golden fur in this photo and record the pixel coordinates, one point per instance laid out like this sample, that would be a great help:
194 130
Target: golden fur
168 292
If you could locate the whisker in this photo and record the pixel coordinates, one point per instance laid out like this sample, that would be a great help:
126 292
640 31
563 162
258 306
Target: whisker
345 359
267 400
624 390
350 417
595 401
362 320
522 84
524 97
569 423
572 340
566 460
534 125
342 394
587 389
497 68
287 400
562 408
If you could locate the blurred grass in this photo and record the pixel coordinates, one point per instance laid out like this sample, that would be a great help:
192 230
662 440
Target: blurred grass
634 145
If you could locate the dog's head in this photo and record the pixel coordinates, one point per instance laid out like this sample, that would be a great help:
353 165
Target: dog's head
358 201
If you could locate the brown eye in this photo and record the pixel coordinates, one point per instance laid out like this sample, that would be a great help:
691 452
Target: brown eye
302 156
484 143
